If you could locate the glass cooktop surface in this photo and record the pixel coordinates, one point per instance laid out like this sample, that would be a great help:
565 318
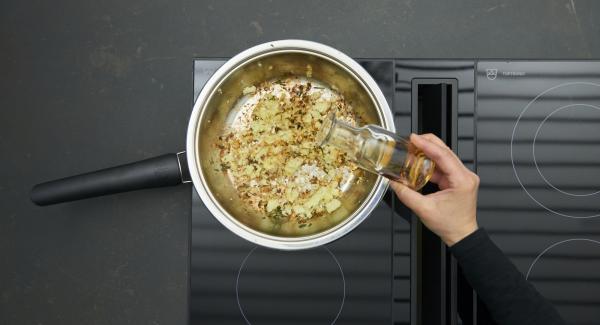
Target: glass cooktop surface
538 156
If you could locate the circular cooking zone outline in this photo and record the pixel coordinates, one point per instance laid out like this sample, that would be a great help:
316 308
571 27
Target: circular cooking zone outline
330 253
533 149
512 158
554 245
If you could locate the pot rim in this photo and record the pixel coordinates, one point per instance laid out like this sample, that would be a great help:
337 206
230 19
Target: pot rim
222 215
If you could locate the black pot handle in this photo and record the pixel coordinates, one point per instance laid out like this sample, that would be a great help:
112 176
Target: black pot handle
166 170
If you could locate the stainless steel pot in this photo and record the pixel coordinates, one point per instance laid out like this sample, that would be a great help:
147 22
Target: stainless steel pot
212 113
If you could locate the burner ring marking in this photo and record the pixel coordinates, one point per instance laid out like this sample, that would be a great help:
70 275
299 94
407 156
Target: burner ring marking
512 138
535 139
237 282
554 245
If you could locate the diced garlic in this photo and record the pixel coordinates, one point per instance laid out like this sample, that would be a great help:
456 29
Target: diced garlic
271 151
333 205
321 106
292 165
272 205
315 198
249 90
307 118
298 209
291 194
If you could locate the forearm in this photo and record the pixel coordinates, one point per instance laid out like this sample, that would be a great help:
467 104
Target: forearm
509 298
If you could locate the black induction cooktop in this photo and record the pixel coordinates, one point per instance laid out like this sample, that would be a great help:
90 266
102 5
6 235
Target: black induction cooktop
530 129
538 156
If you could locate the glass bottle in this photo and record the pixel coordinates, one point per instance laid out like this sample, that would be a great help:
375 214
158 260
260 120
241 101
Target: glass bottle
379 151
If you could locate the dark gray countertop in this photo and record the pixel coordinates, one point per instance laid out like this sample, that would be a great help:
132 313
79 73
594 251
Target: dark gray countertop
87 85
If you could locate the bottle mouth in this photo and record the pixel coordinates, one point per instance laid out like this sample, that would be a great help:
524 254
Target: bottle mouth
324 134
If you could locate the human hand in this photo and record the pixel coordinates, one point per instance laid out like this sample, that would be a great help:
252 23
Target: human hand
451 212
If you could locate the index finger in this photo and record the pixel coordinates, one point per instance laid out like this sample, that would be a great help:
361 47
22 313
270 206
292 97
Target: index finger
443 157
433 138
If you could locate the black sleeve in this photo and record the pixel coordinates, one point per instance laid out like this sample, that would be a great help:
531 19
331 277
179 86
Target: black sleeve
509 298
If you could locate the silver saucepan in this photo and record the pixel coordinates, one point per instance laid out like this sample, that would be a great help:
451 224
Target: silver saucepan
212 116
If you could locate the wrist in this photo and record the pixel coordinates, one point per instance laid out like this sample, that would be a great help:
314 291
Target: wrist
459 235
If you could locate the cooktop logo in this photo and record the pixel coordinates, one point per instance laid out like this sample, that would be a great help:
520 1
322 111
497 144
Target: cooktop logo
491 74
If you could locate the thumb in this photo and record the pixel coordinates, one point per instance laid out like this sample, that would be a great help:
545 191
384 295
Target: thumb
412 199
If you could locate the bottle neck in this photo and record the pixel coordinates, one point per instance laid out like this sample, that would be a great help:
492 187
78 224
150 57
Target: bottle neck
342 136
